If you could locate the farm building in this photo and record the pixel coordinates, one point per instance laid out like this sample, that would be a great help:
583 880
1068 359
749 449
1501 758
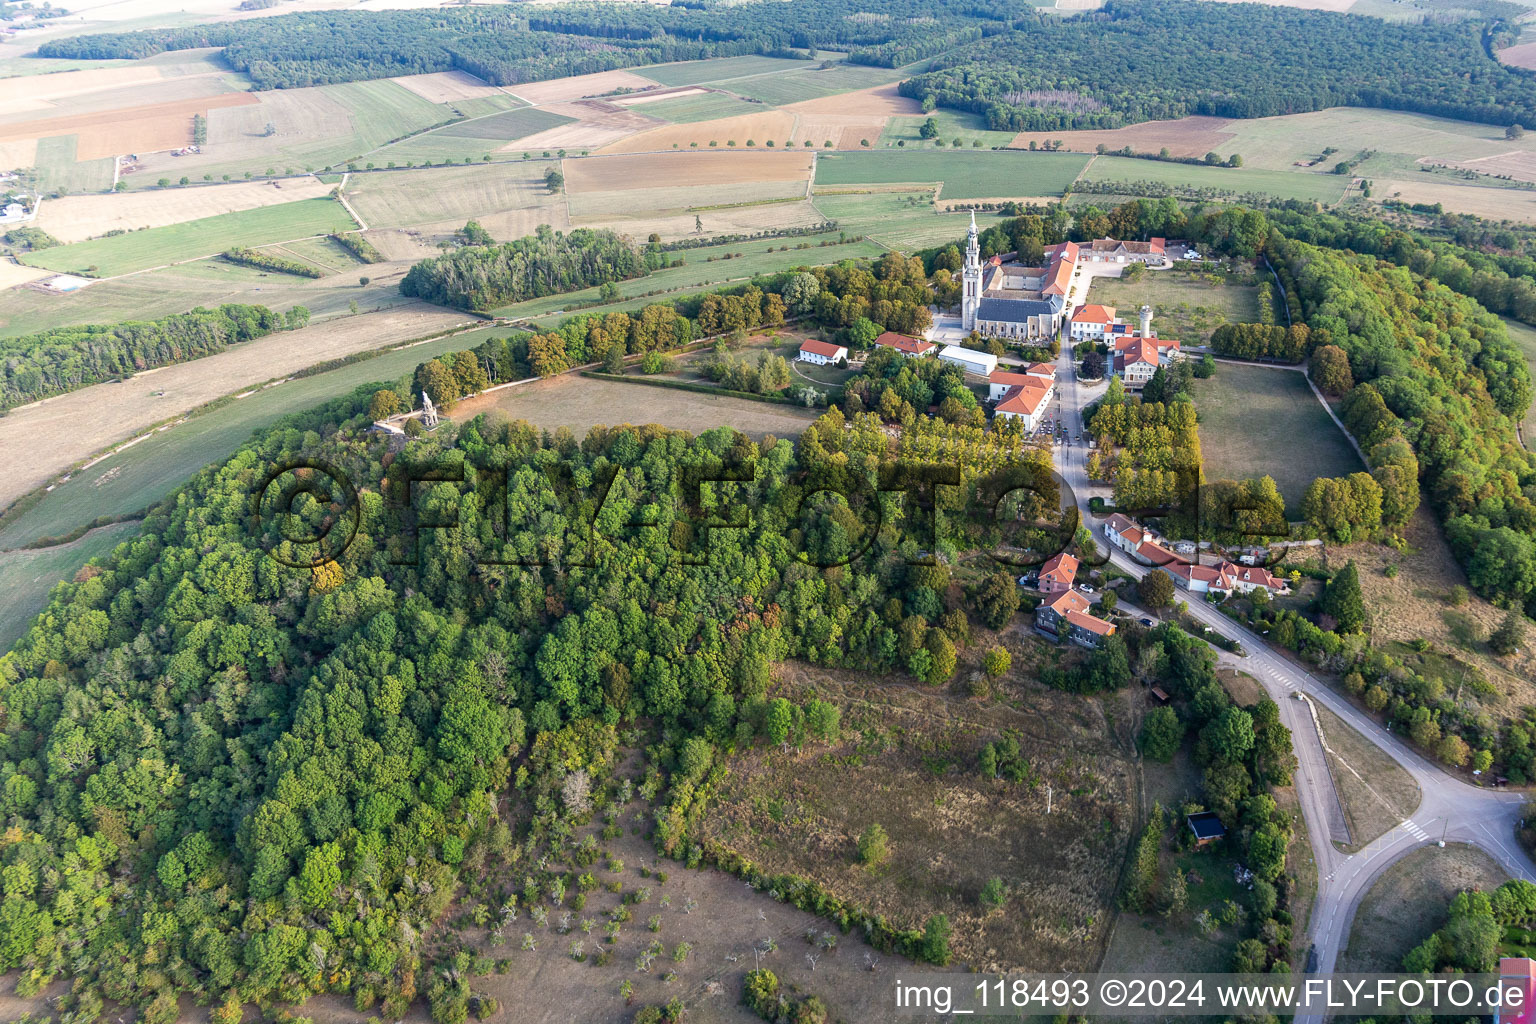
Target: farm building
822 353
1206 826
1109 250
905 345
980 363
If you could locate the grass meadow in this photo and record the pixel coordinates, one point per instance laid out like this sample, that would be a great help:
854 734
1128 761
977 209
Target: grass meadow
1185 306
719 69
699 107
141 250
813 82
1265 421
901 220
965 174
1525 337
26 577
58 170
1285 184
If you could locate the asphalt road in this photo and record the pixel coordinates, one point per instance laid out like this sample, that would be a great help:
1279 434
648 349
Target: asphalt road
1450 809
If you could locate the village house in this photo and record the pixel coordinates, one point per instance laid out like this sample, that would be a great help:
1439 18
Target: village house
1136 357
1083 629
1057 574
1091 322
822 353
1023 396
905 345
1223 578
1109 250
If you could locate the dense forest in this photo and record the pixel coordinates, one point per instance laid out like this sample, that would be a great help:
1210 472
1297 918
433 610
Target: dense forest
545 263
506 47
1122 64
35 366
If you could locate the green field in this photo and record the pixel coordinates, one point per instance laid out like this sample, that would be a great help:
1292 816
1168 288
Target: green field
969 128
26 577
1297 184
901 220
688 109
139 476
1264 421
1525 337
140 250
966 174
813 82
699 272
507 125
324 253
719 69
58 170
475 138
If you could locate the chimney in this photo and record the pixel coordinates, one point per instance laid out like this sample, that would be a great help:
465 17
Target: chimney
1146 321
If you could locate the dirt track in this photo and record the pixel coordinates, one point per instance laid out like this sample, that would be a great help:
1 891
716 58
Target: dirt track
44 439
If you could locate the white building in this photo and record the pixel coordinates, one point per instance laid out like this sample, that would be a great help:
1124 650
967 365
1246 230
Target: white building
1003 299
822 353
1090 322
980 363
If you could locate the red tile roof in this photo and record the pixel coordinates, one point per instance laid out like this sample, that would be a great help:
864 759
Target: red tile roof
1061 568
1041 370
823 348
1091 623
1022 400
902 343
1093 314
1068 601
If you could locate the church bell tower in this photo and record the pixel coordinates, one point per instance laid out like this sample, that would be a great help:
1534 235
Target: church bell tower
970 296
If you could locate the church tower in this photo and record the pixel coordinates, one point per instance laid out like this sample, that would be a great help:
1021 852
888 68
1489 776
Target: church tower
970 296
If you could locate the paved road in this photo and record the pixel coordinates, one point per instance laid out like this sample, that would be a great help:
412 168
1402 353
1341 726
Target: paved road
1450 808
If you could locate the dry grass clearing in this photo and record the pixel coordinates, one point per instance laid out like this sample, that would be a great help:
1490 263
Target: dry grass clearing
613 173
643 222
1187 136
582 402
770 124
1416 604
1409 901
76 218
18 153
579 87
1483 201
909 754
1375 791
447 86
509 199
44 439
597 123
148 128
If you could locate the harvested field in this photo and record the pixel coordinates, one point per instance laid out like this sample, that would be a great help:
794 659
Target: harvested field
700 105
654 95
447 86
76 218
910 755
18 153
597 123
444 198
769 124
581 402
881 101
1187 136
813 82
148 128
1491 202
579 87
610 173
34 92
1519 164
844 132
639 223
41 440
498 128
13 274
1521 55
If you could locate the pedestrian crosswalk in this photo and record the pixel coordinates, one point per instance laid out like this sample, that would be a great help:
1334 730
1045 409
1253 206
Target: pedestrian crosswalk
1414 830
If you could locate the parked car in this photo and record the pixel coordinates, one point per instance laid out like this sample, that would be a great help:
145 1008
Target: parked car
1085 588
1148 623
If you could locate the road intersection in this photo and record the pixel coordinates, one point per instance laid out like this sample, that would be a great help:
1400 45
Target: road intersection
1450 809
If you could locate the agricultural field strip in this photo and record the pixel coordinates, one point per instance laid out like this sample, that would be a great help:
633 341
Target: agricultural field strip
442 127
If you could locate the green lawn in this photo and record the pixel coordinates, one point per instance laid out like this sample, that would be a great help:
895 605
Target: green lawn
706 107
140 250
902 220
1298 184
1525 337
969 128
143 474
966 174
1186 306
719 69
1260 420
26 577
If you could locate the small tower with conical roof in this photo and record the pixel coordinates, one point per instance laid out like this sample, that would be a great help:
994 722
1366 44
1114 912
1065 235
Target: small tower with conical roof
970 295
